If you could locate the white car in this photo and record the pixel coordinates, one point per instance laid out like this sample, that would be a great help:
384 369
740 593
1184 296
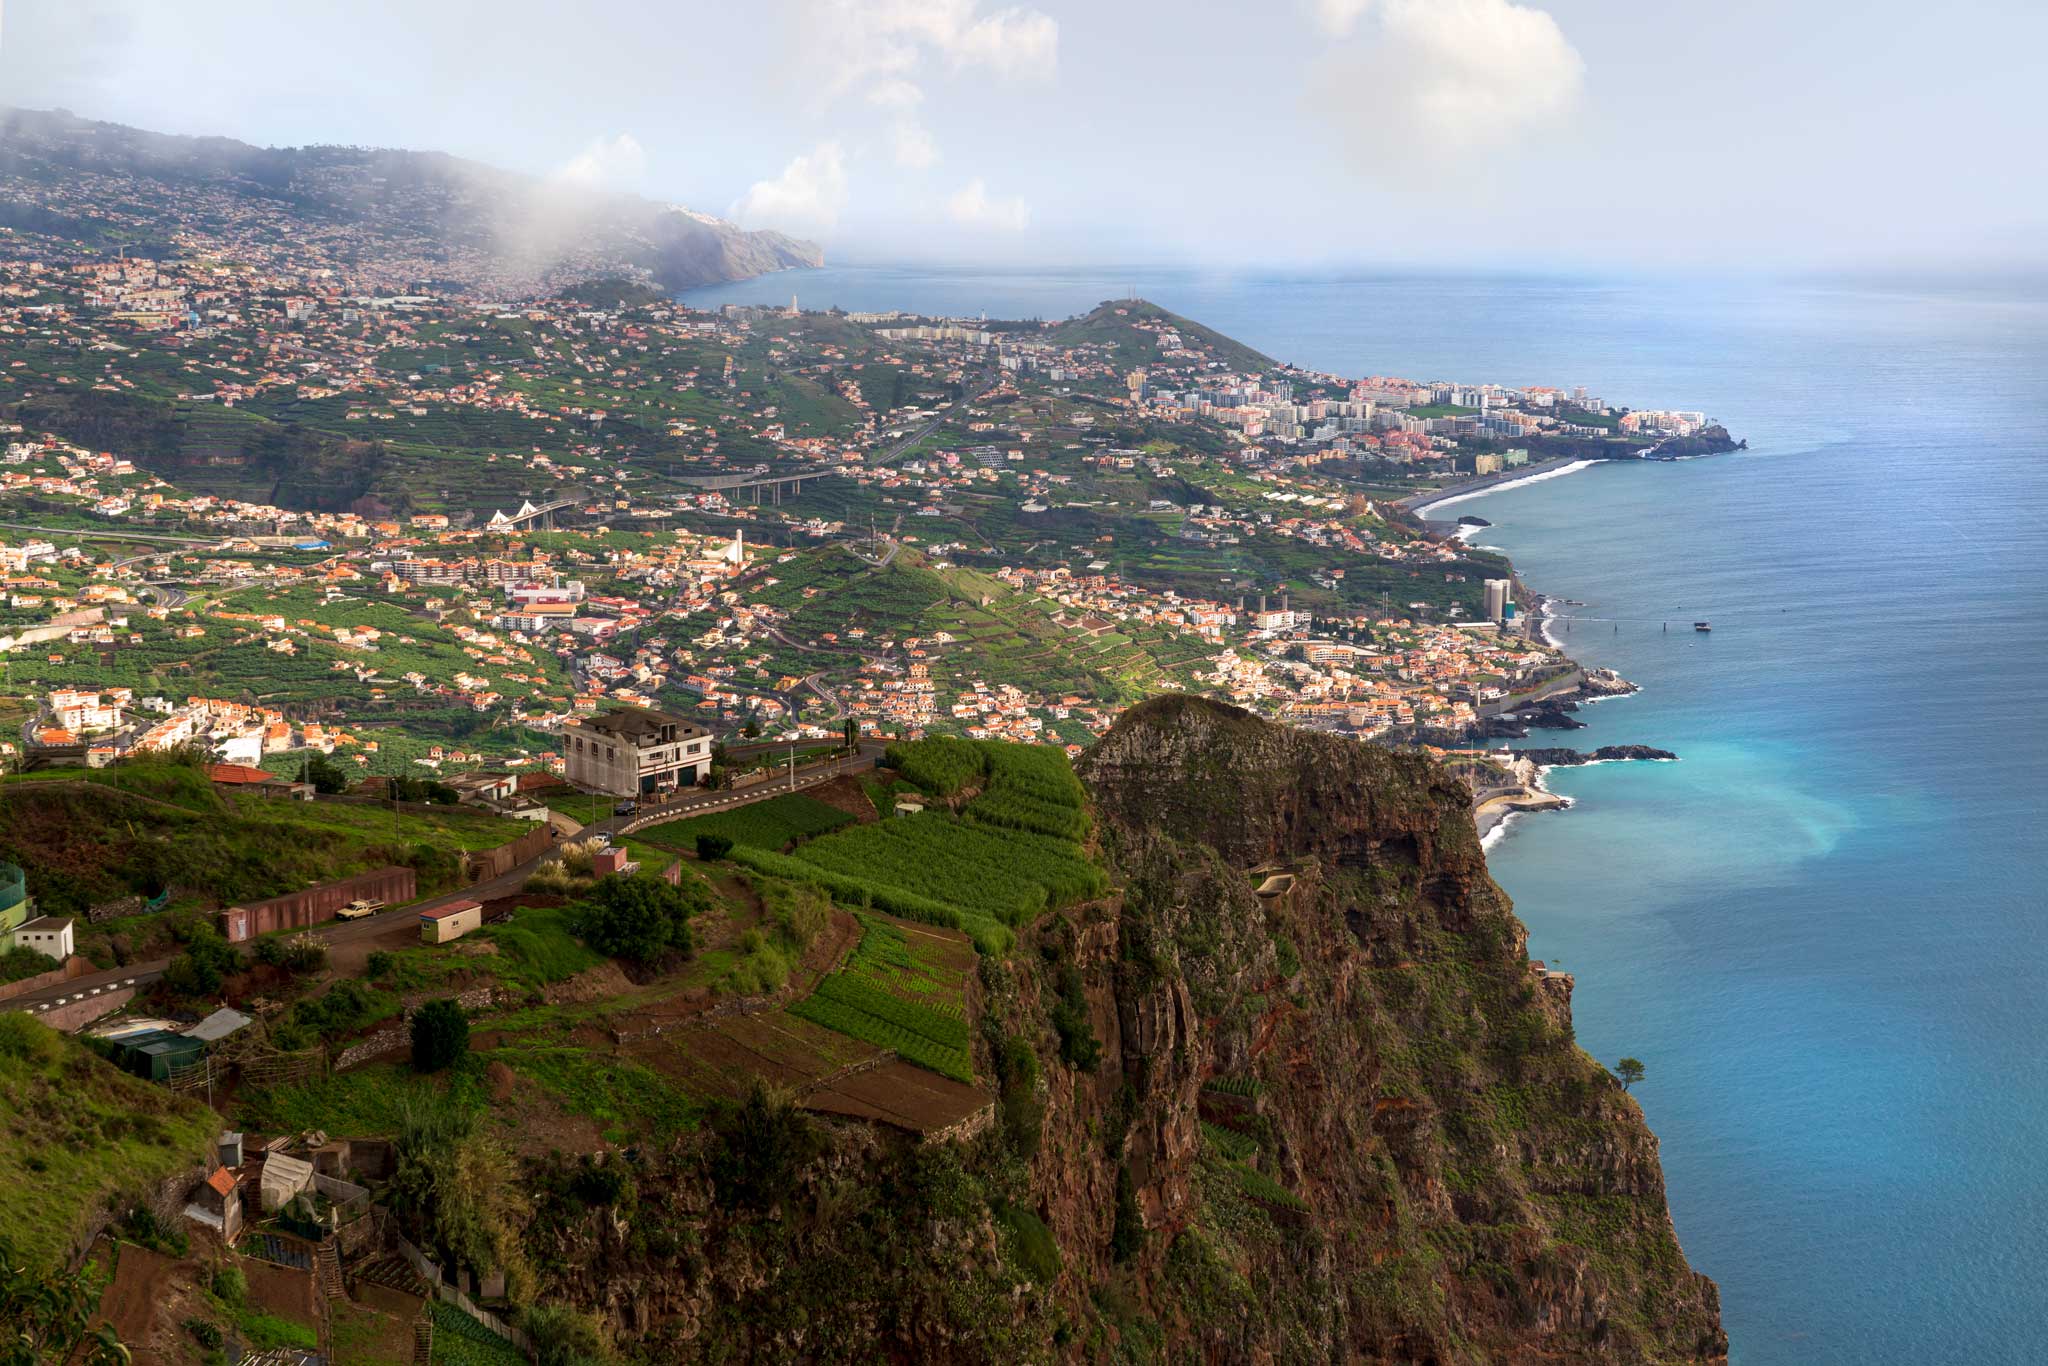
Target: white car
356 910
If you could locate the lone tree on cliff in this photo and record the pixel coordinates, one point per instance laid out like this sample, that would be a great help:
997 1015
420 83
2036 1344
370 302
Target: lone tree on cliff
1630 1070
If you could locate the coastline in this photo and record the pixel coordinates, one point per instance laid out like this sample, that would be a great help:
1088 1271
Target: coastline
1495 815
1421 504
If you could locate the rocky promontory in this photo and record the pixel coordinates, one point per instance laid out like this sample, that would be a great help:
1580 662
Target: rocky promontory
1606 754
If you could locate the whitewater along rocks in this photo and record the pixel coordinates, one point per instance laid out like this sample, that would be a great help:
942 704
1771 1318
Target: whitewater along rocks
1606 754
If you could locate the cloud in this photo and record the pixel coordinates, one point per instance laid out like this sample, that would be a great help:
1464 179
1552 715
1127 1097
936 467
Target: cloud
971 207
859 41
606 163
806 197
1432 89
913 144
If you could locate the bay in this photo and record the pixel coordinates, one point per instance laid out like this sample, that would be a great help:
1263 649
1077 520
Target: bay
1822 929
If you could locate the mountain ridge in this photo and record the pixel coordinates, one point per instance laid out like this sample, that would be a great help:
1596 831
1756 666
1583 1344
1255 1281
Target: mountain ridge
464 224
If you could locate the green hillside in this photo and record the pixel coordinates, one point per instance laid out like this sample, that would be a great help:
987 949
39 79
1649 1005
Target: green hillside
1115 323
77 1133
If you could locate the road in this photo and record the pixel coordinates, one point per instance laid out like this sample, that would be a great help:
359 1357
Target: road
86 534
345 931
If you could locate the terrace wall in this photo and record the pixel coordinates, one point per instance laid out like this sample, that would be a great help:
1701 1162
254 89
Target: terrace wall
74 966
314 905
481 865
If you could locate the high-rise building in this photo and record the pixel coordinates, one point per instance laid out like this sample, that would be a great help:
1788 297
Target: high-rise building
1499 593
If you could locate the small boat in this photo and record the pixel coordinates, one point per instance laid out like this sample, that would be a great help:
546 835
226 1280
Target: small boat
1703 626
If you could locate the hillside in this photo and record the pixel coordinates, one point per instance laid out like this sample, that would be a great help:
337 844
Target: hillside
78 1136
432 216
1132 327
138 829
1336 1119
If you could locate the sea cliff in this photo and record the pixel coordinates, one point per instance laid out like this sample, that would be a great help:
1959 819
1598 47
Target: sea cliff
1292 1091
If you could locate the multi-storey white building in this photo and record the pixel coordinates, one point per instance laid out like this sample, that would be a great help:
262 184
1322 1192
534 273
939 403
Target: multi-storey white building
636 752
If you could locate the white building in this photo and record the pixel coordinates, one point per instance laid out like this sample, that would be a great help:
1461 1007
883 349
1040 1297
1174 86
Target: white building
45 934
1499 593
636 752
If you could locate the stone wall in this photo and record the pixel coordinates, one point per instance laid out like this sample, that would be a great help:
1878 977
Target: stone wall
398 1036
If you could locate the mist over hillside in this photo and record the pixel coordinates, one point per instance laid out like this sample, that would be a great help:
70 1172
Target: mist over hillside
398 217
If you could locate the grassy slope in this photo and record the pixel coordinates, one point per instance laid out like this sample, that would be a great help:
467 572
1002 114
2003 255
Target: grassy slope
88 835
1134 347
75 1132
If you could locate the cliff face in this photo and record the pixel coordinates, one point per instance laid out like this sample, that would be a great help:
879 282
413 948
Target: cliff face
1335 1115
1475 1187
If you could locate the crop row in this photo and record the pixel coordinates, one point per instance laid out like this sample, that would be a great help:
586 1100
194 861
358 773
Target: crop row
765 825
941 765
1009 874
990 935
912 1047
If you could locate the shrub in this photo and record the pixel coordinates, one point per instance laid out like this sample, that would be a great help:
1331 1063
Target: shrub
640 918
200 969
300 953
763 1142
1078 1045
440 1035
563 1336
1127 1236
22 961
1031 1243
378 964
207 1335
711 848
230 1286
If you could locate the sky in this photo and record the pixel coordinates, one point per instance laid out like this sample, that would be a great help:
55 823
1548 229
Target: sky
1248 133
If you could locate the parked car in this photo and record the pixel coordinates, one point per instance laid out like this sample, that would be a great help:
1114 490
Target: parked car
626 808
356 910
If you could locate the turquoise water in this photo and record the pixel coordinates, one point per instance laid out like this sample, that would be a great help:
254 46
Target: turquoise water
1822 930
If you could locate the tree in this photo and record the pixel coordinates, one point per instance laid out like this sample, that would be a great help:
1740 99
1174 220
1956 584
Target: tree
325 775
852 734
47 1317
711 848
1630 1070
440 1035
456 1190
206 961
640 918
752 729
764 1141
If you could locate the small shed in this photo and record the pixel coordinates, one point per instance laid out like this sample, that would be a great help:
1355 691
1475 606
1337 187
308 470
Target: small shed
216 1202
218 1025
46 934
284 1178
154 1053
452 921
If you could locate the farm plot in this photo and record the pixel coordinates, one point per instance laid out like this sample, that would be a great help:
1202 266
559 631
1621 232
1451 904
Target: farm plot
772 824
903 989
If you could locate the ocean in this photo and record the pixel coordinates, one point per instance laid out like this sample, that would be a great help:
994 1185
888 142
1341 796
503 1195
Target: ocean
1823 929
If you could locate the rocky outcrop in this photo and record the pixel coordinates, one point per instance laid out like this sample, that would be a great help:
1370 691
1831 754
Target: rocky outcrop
1470 1186
1606 754
1293 1092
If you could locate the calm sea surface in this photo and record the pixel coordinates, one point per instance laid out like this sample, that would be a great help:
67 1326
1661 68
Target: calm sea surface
1823 930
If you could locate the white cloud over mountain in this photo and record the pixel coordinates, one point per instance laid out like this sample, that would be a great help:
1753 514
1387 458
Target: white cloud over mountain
606 163
807 197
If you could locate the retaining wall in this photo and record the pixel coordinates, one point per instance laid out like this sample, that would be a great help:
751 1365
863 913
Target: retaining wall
315 905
